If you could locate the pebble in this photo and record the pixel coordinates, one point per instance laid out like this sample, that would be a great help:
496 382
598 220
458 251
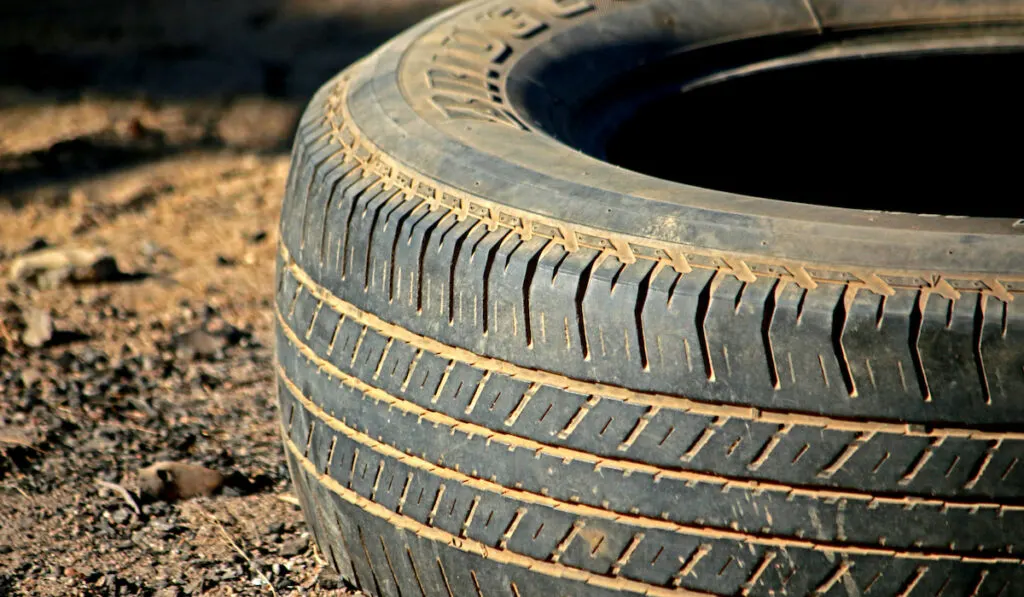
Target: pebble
170 481
38 328
275 528
199 343
49 268
121 516
329 580
294 547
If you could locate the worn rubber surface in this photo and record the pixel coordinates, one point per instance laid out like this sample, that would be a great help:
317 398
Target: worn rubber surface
508 369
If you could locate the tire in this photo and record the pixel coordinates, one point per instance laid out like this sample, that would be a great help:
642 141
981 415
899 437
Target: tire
507 367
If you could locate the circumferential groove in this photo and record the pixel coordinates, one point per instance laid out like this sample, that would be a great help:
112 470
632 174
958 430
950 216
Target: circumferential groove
916 319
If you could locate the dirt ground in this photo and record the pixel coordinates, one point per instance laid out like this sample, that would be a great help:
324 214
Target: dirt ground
158 132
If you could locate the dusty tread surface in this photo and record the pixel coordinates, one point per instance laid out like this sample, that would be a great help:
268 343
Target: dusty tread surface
481 399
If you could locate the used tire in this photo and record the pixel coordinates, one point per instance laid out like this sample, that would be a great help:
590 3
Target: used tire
509 367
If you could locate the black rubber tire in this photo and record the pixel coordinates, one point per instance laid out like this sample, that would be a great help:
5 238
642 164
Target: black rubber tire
508 368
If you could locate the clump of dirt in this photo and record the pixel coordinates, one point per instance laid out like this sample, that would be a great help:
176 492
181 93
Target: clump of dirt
155 141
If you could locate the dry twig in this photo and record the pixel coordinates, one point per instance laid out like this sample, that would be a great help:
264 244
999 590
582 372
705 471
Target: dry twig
121 491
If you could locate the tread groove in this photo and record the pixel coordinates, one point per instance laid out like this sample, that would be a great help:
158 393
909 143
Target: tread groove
638 315
327 210
531 271
839 318
387 558
703 306
456 252
766 326
581 293
916 321
369 561
492 254
347 251
427 234
979 359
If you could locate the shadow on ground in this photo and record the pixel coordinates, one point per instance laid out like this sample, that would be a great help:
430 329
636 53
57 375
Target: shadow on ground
205 59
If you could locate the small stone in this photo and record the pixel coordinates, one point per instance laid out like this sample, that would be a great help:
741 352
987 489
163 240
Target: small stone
226 261
49 268
275 528
30 377
170 481
121 516
199 343
38 328
329 580
294 547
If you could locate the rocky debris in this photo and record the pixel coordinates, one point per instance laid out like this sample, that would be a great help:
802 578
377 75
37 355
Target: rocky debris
49 268
38 328
171 481
294 547
200 343
328 580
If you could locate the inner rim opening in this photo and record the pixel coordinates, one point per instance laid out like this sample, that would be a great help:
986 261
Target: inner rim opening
917 132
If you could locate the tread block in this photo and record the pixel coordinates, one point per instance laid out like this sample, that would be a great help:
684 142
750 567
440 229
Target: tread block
596 546
801 333
365 363
468 271
507 318
734 322
671 313
606 426
878 347
1001 338
408 253
397 363
658 557
360 269
554 307
538 535
613 339
439 267
947 343
548 414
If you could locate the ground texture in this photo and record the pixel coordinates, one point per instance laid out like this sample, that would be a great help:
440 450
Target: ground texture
158 132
